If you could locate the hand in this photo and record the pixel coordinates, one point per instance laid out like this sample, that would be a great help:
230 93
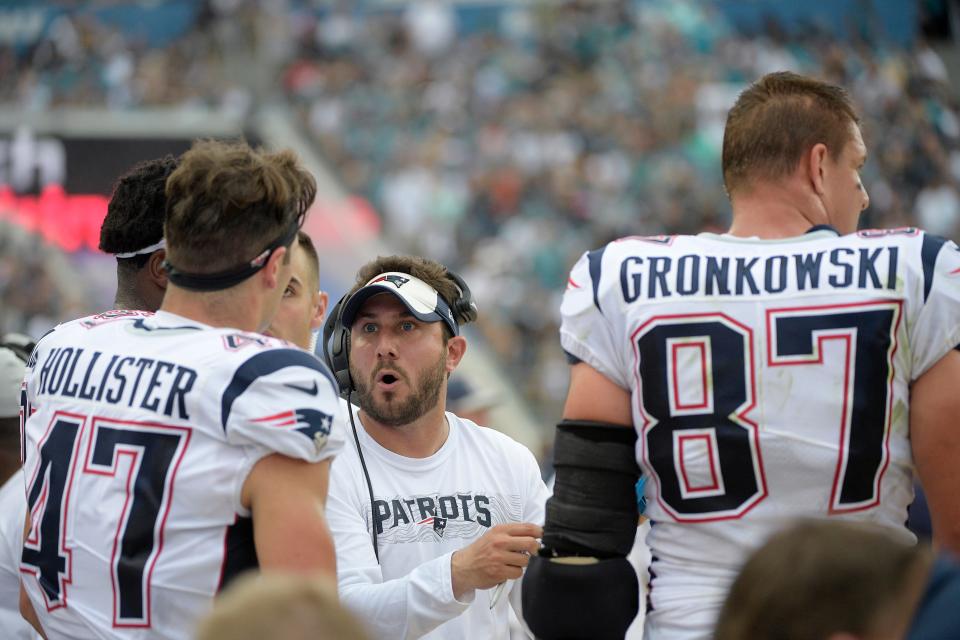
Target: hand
498 555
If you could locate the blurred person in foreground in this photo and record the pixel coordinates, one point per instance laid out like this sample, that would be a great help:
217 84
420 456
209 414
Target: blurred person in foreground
166 452
279 607
433 516
792 367
304 305
835 580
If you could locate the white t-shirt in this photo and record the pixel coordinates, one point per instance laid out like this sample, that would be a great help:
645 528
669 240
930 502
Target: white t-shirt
142 430
427 508
769 382
13 510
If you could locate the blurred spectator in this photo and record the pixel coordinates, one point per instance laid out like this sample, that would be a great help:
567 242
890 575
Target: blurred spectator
37 286
470 402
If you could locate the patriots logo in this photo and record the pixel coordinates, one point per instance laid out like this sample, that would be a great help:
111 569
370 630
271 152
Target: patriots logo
237 341
439 524
315 425
397 281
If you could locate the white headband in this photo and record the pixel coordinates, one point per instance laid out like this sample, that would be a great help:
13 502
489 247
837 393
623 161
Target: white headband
145 251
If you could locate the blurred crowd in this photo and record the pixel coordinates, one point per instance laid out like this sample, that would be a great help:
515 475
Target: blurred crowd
506 152
36 287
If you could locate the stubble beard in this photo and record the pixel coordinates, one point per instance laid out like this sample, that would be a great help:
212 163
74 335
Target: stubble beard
397 414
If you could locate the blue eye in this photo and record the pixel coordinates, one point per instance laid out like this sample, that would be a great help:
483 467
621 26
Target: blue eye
408 326
369 328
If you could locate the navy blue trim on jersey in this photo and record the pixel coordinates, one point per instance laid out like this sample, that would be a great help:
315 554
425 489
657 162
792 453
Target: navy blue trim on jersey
263 364
140 324
928 257
595 258
572 359
822 227
240 553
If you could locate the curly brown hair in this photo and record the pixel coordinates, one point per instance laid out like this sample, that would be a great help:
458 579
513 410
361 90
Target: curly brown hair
226 202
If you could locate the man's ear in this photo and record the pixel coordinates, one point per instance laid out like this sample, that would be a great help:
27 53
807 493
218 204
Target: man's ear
456 348
816 165
320 312
271 272
155 270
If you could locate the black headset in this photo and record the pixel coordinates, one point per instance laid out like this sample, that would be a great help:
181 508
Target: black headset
336 337
336 353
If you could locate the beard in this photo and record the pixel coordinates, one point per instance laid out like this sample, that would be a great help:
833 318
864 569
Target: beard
393 413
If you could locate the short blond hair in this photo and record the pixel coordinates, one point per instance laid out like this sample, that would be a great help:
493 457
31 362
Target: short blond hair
280 607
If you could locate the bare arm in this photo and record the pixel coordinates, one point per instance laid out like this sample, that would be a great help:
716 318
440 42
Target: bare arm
287 498
593 396
935 437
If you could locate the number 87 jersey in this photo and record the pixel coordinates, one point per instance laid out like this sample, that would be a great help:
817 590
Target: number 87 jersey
769 381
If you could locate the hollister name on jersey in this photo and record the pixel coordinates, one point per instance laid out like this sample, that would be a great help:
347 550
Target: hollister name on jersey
151 384
693 274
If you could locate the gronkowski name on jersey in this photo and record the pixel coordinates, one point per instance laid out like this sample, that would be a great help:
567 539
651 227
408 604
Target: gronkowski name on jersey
770 381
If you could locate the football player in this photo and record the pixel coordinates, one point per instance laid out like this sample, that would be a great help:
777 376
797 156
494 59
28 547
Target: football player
792 367
303 305
167 452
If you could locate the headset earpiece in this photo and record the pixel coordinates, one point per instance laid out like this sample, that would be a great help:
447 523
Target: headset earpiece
464 308
336 347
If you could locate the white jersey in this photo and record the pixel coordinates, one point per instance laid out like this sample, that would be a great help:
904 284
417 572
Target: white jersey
769 381
424 510
142 430
13 511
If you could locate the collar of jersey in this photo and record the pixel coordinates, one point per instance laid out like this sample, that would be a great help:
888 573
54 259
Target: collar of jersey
817 232
172 320
403 462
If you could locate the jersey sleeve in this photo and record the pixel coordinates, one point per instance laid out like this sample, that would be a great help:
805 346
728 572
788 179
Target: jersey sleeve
586 331
284 401
936 329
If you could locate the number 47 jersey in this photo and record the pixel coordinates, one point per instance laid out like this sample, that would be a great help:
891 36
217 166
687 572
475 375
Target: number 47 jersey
141 430
769 381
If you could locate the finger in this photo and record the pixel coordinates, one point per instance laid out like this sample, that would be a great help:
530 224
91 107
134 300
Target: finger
526 545
512 573
526 529
517 559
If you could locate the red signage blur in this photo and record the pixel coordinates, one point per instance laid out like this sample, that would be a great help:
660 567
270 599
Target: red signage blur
71 222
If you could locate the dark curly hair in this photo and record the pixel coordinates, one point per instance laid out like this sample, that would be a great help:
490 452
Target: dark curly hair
137 208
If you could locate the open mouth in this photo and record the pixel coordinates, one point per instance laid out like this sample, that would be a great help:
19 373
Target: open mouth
387 379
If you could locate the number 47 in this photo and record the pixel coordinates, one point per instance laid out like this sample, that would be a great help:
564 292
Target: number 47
154 453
